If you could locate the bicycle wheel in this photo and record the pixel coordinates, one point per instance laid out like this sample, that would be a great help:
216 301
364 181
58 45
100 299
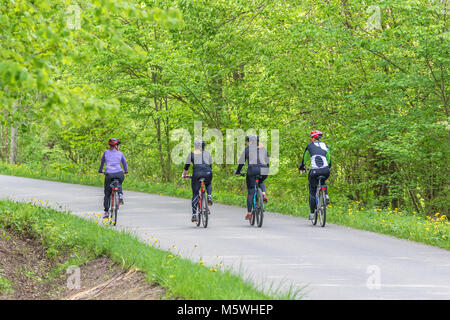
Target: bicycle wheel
111 208
252 218
314 220
116 209
260 210
199 210
323 217
204 212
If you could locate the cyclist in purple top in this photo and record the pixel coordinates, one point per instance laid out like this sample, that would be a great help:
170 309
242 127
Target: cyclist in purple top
113 158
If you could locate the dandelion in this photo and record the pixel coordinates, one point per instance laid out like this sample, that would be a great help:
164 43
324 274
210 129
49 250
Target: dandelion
170 256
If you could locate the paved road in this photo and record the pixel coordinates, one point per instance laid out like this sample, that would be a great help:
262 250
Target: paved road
334 262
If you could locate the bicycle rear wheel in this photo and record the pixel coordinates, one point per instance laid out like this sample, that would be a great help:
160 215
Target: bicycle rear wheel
199 210
116 209
323 211
259 210
205 210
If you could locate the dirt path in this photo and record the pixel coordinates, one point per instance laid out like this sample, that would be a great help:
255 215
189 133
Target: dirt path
26 274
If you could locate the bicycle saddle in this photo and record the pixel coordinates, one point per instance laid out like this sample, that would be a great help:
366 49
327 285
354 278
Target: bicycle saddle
114 183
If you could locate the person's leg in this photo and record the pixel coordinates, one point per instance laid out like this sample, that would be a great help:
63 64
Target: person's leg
312 193
262 185
107 190
208 183
195 189
120 177
251 181
326 175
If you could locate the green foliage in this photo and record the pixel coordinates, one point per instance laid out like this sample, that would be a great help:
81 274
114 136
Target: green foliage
372 77
5 285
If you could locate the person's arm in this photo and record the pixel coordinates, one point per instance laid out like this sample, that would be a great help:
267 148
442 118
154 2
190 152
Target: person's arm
329 157
102 163
124 164
305 160
242 160
209 159
267 159
188 163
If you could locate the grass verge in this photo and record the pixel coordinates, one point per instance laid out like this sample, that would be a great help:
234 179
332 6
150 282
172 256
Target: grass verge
433 231
63 234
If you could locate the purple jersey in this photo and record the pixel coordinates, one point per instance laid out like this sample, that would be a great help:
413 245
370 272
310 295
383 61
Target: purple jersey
113 158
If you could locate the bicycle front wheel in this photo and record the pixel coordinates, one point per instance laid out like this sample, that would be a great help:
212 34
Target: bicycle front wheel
314 220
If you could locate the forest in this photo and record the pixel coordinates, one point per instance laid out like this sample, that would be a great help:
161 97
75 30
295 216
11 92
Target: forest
371 75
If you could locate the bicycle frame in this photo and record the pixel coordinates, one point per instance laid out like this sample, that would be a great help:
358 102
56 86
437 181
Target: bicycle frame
257 187
203 211
201 194
114 207
320 187
257 213
320 212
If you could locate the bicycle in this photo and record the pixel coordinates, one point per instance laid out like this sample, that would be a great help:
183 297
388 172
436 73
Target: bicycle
321 203
202 207
258 204
115 201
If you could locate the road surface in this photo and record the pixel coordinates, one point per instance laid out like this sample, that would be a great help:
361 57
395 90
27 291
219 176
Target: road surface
334 262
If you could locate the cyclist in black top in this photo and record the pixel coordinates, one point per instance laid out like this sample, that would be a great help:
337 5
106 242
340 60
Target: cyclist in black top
318 154
258 164
202 168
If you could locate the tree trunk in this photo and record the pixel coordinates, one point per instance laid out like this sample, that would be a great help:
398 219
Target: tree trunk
13 138
167 133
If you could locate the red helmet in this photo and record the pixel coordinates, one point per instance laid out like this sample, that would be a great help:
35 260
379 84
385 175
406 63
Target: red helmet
316 134
113 142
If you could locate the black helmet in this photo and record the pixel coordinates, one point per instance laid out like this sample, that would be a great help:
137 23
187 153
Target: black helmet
252 137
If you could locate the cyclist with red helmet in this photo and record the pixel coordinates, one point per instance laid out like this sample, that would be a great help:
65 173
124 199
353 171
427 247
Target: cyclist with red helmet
113 158
317 155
